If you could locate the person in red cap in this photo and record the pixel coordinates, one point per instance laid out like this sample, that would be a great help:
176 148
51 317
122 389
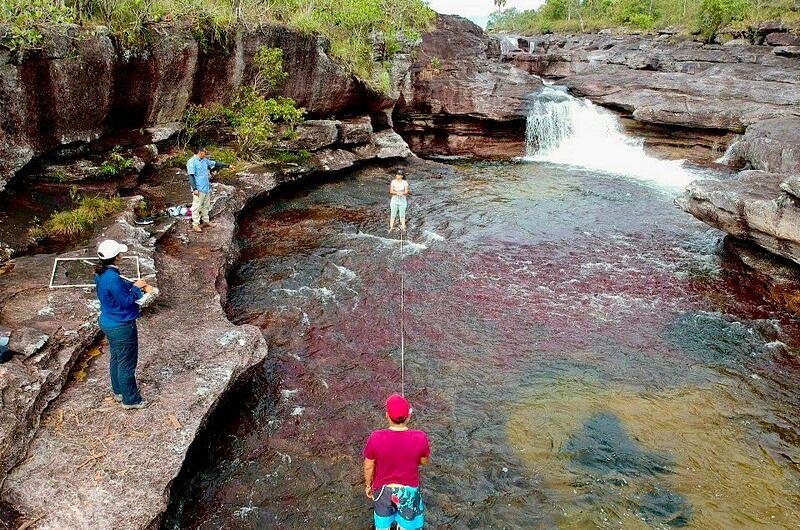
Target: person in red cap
391 469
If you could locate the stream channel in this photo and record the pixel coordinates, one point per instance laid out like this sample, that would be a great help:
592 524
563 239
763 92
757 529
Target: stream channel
576 349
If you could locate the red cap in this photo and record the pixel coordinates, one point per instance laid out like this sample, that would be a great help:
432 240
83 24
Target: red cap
398 408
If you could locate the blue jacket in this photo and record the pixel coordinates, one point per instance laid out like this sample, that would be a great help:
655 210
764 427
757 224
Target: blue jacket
199 170
117 298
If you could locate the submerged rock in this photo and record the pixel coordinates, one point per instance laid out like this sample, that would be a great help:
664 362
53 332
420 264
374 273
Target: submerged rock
615 461
603 447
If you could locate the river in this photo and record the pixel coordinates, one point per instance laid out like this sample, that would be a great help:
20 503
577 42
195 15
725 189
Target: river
576 350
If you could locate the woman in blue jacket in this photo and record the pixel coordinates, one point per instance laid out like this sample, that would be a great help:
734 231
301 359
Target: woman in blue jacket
118 314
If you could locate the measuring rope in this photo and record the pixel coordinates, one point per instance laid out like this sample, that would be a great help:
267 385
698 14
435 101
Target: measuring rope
402 317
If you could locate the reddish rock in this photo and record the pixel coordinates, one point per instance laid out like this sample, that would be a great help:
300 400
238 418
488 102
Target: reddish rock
782 39
455 89
83 86
354 131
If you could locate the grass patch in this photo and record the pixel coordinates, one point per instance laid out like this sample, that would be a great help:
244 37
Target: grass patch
76 222
115 164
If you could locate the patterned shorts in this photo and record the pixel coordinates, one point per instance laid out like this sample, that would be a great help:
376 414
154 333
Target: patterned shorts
400 504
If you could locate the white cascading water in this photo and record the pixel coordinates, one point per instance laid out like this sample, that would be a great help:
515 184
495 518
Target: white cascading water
566 130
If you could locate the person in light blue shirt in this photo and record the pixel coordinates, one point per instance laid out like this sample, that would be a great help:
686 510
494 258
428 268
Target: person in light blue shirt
199 168
118 314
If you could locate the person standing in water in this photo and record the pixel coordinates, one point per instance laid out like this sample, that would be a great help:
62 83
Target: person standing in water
398 189
391 469
118 314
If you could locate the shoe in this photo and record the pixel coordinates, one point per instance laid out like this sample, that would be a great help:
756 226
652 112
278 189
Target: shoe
141 405
196 228
118 398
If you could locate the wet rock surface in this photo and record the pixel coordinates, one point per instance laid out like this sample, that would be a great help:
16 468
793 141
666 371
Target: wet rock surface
457 100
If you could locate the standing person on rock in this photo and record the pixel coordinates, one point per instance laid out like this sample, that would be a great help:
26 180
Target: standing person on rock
199 168
398 189
391 469
118 314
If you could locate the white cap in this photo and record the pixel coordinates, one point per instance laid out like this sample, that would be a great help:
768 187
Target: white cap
110 249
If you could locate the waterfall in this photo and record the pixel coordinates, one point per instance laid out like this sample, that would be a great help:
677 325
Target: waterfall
566 130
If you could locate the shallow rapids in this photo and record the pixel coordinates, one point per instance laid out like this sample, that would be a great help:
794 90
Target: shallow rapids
576 351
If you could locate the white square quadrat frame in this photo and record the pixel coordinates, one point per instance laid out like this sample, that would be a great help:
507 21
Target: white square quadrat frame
88 261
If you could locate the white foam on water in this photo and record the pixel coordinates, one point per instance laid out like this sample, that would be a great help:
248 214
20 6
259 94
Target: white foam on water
431 236
345 273
286 393
410 246
566 130
315 292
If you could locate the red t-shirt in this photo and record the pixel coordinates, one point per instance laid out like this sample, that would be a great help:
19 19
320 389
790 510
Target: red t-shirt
396 455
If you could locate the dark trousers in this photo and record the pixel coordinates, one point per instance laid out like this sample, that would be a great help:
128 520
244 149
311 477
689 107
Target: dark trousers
123 341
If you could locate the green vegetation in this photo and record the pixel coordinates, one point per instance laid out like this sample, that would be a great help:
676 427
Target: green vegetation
75 222
256 122
58 175
25 21
115 165
706 18
354 27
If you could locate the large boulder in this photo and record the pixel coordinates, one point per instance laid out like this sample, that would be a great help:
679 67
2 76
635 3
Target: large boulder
455 89
782 39
752 207
770 145
316 134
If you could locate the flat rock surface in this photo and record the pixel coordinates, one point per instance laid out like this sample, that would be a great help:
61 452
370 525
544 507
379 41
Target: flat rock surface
668 80
93 464
50 328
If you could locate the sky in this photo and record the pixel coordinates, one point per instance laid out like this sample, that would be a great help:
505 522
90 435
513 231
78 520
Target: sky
478 10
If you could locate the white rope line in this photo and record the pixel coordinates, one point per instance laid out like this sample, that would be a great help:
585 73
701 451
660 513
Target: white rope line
402 317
